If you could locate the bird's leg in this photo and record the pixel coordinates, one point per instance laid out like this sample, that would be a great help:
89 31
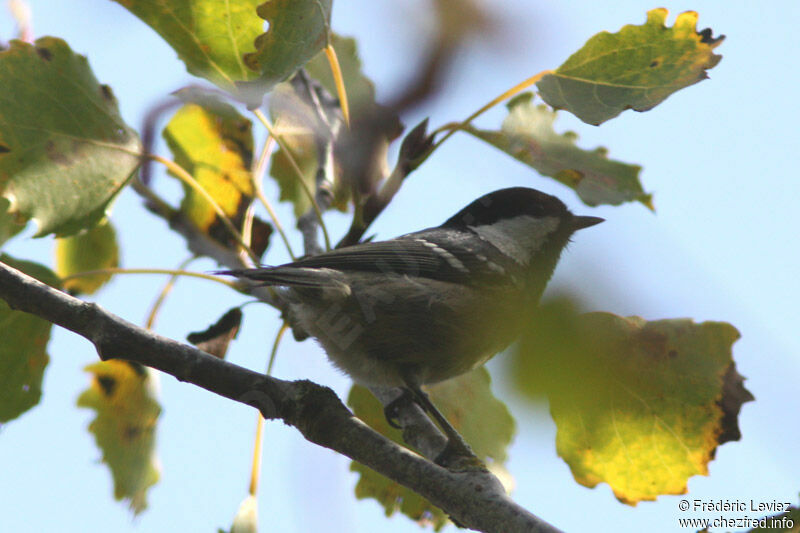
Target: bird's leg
391 410
457 450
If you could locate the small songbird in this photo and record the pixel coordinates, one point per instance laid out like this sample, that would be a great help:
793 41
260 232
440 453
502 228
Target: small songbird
431 305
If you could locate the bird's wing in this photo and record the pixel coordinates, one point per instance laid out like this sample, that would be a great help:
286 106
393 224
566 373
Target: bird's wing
411 255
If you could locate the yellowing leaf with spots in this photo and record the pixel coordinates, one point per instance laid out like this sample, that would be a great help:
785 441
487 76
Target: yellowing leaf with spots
214 143
468 403
527 134
639 405
124 397
216 148
65 151
635 68
92 249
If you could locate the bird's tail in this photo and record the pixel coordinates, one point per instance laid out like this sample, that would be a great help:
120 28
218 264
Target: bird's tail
289 276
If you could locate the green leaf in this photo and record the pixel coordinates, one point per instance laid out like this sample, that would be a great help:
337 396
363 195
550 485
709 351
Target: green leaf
360 89
9 226
123 394
636 68
639 405
305 156
215 145
91 249
527 134
23 355
210 36
298 29
467 402
65 152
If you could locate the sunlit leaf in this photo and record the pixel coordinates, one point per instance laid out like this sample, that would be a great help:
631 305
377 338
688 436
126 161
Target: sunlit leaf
639 405
124 397
65 152
635 68
215 145
467 402
210 36
527 134
23 355
217 150
298 29
91 249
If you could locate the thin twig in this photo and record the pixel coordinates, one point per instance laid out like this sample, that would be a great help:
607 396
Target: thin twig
149 135
518 88
306 189
259 171
168 271
187 178
162 295
255 470
200 243
247 232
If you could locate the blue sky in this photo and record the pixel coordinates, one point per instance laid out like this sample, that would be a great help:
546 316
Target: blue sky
720 158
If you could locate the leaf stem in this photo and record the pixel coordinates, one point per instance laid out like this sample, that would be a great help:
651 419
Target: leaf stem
183 175
451 128
258 176
267 124
255 471
162 296
247 232
168 271
338 79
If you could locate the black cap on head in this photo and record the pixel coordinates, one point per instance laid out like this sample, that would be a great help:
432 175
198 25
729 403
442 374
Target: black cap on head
508 203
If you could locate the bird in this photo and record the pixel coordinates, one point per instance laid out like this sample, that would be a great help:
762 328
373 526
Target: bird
430 305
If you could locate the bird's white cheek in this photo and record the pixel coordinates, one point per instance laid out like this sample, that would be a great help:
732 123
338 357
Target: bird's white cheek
520 237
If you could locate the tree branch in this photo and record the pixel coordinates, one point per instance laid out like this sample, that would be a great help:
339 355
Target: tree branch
473 498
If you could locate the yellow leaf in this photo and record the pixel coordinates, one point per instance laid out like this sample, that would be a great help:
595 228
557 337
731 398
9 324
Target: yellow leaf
123 395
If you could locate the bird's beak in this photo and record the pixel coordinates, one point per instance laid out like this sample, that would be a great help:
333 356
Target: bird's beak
585 222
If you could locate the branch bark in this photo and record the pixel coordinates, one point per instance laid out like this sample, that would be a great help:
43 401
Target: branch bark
474 499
